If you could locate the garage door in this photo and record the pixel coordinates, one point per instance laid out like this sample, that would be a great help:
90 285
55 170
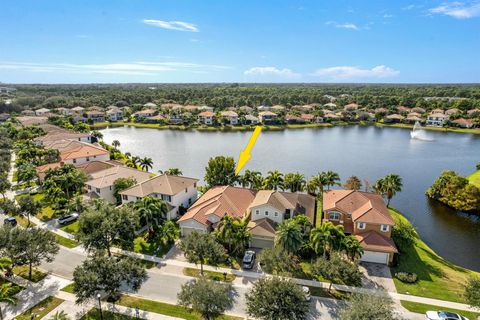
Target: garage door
377 257
261 243
186 231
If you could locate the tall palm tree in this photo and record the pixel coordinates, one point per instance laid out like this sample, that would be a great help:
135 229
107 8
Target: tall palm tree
317 183
172 172
389 186
7 295
352 247
295 182
326 238
152 211
59 315
97 134
251 178
128 155
289 236
274 180
169 231
331 179
146 163
116 144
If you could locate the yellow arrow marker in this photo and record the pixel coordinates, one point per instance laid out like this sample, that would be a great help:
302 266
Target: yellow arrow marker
245 154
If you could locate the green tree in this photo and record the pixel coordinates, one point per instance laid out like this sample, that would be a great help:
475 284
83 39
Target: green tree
289 236
60 315
472 292
326 238
29 207
233 234
331 179
5 185
337 270
207 297
103 225
353 183
317 184
26 173
152 212
121 184
220 171
278 261
168 232
295 182
404 235
62 184
276 299
172 172
389 186
7 295
274 180
97 134
146 163
108 275
366 306
352 247
116 144
201 248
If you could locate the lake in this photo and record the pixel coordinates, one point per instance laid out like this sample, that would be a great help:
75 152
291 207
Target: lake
368 152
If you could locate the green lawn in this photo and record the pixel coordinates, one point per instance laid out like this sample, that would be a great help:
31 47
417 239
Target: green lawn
438 278
152 248
319 212
474 178
46 213
321 292
71 228
69 243
94 314
423 308
68 288
41 309
212 275
22 271
165 308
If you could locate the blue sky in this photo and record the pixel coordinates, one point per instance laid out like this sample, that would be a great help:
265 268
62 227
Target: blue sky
58 41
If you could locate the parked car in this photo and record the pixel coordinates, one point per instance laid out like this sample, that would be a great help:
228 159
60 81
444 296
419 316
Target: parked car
444 315
67 219
11 221
306 292
249 259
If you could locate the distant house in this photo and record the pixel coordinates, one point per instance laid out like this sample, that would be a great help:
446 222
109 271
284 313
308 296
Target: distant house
308 117
84 152
413 117
42 112
365 216
381 110
437 119
143 114
403 109
293 119
95 116
463 123
267 117
59 136
114 114
393 118
249 119
418 110
473 113
65 111
28 112
452 111
277 108
101 183
150 105
4 117
78 110
434 111
177 191
230 116
246 109
205 108
206 117
350 107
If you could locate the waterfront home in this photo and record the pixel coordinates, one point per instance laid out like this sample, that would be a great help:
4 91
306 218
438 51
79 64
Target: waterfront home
64 111
473 113
365 216
101 183
143 114
434 111
413 117
84 152
42 112
64 135
178 118
393 118
463 123
307 117
95 116
330 105
156 119
350 107
206 117
452 111
293 119
88 167
403 109
114 114
267 117
78 110
177 191
381 110
150 105
263 108
418 110
205 108
249 119
78 119
437 119
230 116
330 116
264 209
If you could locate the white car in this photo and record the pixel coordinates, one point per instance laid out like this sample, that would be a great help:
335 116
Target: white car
444 315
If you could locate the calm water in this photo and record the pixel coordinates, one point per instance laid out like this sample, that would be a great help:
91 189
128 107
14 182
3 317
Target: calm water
368 152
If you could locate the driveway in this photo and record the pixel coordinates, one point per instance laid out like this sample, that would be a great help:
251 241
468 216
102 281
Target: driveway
377 276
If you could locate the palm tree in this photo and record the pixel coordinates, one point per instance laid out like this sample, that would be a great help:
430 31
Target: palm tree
326 238
60 315
135 160
317 183
231 233
7 295
289 236
169 232
274 180
331 179
97 134
171 172
251 179
128 155
146 163
353 183
352 247
152 211
389 186
116 144
295 182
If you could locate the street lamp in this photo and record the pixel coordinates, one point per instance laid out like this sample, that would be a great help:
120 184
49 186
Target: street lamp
137 313
100 305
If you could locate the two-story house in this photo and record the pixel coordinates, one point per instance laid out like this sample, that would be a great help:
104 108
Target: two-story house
114 114
437 119
177 191
143 114
95 116
84 152
206 117
366 216
267 117
230 116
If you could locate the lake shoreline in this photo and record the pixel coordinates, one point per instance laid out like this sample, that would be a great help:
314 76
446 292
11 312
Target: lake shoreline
104 125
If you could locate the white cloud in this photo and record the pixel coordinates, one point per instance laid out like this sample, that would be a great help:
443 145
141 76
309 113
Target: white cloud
172 25
346 25
271 71
458 10
346 73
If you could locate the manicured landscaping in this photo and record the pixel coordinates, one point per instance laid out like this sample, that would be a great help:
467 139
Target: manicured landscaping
437 278
94 314
22 271
69 243
164 308
15 288
423 308
153 248
70 228
41 309
68 288
212 275
323 293
474 178
47 213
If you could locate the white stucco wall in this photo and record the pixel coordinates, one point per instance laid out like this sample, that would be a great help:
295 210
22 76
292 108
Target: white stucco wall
104 157
263 209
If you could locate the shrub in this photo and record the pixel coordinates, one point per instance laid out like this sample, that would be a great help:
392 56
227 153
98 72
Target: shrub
406 277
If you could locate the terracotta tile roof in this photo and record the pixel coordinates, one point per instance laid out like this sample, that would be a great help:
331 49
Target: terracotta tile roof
452 111
82 151
163 184
62 135
436 111
437 115
62 145
46 167
229 114
307 116
267 113
95 166
473 111
351 106
373 241
146 111
107 177
463 121
395 116
363 206
94 112
220 201
264 227
206 114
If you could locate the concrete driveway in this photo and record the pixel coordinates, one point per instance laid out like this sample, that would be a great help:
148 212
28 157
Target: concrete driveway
377 276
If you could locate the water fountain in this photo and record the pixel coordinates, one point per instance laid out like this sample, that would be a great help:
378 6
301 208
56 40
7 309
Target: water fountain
418 133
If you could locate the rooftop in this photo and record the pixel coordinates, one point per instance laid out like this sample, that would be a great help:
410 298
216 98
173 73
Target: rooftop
162 184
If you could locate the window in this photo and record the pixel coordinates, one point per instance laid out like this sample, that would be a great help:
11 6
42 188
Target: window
195 185
361 225
89 187
186 190
384 227
97 190
88 159
276 214
257 212
266 213
334 216
124 197
74 160
110 187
